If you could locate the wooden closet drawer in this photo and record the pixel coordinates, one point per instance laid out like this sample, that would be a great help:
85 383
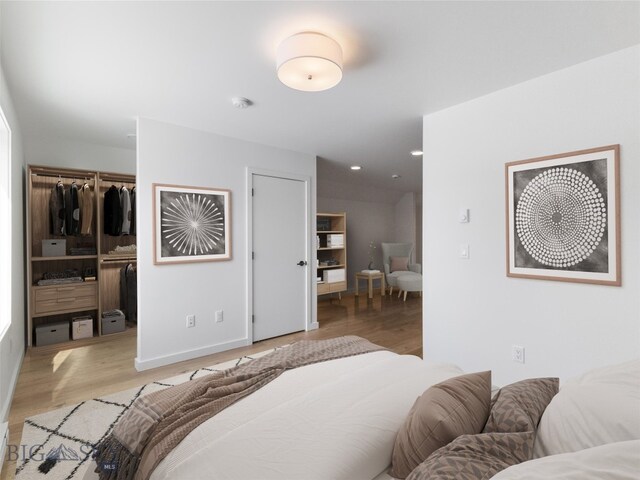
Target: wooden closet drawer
62 305
323 288
75 291
67 291
68 298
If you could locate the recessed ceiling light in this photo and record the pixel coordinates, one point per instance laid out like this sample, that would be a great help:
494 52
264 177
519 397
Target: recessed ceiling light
416 153
355 167
395 176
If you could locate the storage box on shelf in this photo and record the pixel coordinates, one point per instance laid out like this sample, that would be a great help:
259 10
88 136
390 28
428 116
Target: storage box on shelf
52 333
113 324
331 229
81 327
80 255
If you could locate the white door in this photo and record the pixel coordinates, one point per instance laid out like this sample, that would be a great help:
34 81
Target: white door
280 243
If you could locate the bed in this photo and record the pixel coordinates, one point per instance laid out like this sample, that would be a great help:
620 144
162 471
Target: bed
339 420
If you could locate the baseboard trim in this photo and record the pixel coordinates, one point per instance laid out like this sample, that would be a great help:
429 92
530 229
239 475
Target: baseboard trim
4 439
4 414
189 354
313 326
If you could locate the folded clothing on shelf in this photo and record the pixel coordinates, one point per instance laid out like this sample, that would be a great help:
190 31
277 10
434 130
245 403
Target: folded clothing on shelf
82 251
123 249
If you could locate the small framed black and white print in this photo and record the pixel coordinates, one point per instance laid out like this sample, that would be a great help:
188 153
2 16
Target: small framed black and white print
563 217
191 224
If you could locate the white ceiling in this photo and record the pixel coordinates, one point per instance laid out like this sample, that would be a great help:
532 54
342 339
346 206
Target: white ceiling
85 70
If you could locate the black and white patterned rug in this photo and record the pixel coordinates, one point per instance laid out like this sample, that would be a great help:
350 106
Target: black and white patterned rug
57 445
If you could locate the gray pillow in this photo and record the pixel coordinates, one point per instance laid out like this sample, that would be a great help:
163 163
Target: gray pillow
476 457
457 406
518 407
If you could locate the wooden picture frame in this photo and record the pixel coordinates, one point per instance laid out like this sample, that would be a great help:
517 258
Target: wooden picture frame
191 224
563 217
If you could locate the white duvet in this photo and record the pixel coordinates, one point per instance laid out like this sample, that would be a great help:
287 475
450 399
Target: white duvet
332 420
613 461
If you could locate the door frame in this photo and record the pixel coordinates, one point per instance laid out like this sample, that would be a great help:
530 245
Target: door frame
306 179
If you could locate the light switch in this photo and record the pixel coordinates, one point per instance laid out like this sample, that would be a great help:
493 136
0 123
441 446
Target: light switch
463 215
464 251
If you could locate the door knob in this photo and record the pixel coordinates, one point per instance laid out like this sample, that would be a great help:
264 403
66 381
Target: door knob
301 263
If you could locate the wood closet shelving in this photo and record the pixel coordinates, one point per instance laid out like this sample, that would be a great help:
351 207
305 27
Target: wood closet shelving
55 303
337 225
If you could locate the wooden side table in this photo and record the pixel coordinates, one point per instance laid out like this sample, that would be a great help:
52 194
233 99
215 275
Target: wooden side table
370 277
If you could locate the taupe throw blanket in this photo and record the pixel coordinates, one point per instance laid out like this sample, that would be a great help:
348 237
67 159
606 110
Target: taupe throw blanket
156 423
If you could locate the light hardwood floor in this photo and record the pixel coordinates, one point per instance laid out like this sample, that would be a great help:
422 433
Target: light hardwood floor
51 378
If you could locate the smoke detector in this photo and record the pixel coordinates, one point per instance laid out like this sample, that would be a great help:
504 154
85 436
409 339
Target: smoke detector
241 102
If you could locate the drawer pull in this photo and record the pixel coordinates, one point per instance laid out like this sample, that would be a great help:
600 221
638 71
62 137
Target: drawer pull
66 289
66 300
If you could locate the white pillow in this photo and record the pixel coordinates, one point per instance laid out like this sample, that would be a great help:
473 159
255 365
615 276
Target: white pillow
602 406
615 461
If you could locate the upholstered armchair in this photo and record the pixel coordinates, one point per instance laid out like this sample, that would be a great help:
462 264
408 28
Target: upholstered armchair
398 251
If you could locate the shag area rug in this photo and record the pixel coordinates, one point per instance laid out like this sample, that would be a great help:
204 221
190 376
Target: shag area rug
58 445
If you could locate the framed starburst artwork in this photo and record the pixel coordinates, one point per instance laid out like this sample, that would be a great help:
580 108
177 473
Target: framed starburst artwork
563 217
191 224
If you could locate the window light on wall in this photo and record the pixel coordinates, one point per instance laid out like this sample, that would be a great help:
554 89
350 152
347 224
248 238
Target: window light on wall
5 220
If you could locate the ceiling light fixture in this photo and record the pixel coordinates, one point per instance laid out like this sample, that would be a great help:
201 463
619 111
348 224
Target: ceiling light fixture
355 167
241 102
310 62
395 176
416 153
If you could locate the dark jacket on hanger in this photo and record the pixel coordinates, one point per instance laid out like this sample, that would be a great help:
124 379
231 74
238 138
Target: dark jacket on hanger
56 210
72 208
112 212
129 292
132 230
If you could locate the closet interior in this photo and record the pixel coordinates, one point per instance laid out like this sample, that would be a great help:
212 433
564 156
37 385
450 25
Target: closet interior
81 275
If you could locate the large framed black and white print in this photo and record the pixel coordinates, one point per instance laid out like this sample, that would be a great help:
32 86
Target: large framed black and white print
191 224
563 217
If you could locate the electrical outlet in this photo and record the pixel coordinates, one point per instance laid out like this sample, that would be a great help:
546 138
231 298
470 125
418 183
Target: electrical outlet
517 353
219 316
191 321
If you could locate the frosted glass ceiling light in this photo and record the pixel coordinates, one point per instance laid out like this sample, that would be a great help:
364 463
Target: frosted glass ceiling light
310 62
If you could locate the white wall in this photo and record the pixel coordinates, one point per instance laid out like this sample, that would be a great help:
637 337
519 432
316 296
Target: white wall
366 222
63 152
167 293
473 313
12 344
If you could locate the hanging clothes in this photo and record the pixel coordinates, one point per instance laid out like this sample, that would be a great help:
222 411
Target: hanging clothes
125 205
129 292
57 210
112 212
72 210
85 200
132 230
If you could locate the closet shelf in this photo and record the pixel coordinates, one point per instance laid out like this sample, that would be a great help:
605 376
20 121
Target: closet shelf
118 258
63 257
